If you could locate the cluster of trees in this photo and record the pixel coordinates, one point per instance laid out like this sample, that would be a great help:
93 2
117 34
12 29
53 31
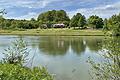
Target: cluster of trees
95 22
17 24
78 20
54 16
113 24
47 19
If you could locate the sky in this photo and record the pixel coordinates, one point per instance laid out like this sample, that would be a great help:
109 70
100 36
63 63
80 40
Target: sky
27 9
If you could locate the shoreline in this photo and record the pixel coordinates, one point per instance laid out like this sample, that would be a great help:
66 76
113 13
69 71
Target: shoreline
47 35
53 32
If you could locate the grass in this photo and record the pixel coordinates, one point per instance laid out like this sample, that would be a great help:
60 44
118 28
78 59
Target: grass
53 32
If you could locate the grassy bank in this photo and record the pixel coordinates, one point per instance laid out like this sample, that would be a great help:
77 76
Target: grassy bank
54 32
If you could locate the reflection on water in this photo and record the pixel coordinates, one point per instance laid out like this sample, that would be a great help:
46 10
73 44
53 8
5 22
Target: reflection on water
94 44
63 56
53 45
60 45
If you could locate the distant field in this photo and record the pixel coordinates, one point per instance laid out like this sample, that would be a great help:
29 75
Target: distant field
54 32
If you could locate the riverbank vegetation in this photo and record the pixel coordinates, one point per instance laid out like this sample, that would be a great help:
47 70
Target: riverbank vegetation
48 19
12 66
109 67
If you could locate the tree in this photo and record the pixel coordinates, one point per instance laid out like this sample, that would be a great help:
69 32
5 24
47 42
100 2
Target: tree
7 24
116 30
61 16
78 20
105 25
82 21
33 19
113 21
114 25
3 12
95 22
73 22
48 16
2 22
54 16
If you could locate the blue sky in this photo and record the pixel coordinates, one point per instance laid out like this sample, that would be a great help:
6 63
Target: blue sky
26 9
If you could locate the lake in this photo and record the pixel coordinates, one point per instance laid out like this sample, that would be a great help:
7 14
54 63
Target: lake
65 56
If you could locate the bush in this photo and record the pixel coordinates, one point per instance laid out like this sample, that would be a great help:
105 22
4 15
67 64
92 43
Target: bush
11 67
17 53
109 67
116 30
17 72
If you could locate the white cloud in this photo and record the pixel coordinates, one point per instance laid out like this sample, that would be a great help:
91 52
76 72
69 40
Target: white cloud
24 3
36 4
13 5
105 11
31 8
27 16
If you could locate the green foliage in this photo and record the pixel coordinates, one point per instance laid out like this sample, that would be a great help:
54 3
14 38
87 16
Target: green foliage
82 21
95 22
73 22
17 54
54 16
21 24
116 29
1 22
16 72
78 20
105 28
109 67
47 19
113 20
114 25
32 19
11 67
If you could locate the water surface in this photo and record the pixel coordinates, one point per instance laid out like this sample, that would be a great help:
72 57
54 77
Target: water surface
64 56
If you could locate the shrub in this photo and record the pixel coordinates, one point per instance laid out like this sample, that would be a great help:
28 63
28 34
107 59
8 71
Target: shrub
109 67
17 53
17 72
11 67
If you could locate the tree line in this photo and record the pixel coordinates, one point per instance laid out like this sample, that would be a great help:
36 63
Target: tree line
79 21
